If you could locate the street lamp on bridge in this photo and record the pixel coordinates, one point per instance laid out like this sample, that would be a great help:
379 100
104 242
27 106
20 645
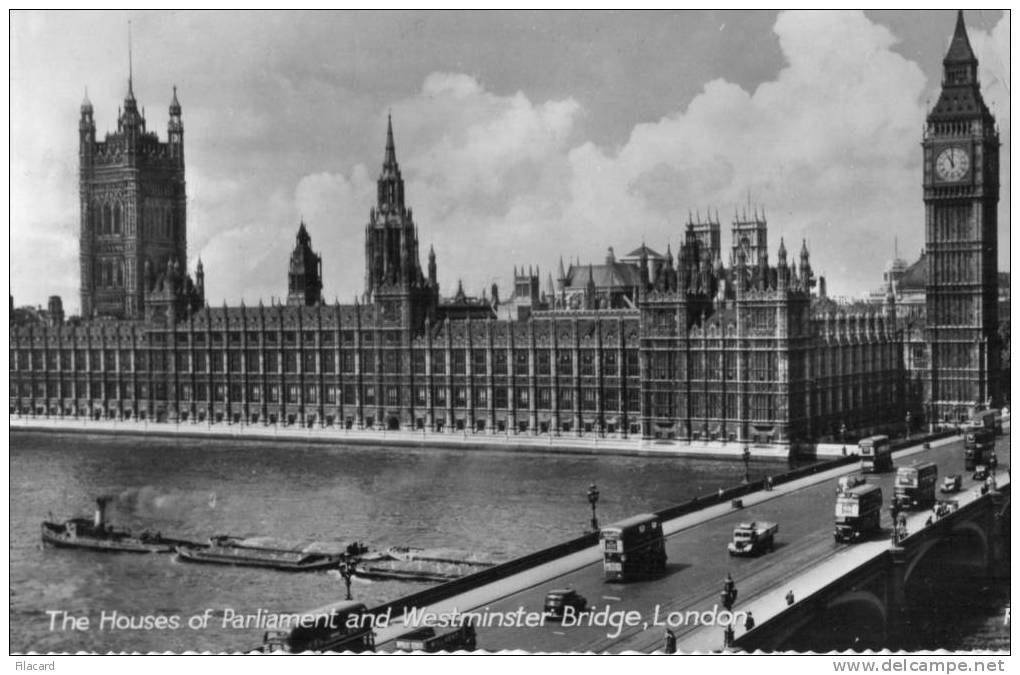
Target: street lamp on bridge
747 463
909 419
346 571
593 499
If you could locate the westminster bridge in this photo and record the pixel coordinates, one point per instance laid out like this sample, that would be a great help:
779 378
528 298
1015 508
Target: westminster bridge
808 594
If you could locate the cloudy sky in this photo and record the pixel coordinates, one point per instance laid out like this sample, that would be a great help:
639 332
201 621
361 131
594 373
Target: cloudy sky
522 136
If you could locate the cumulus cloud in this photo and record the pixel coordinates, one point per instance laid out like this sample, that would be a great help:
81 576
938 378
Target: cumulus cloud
821 148
828 145
828 148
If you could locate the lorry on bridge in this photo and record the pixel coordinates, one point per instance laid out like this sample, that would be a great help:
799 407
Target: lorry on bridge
448 639
753 538
978 447
986 419
876 454
633 548
858 513
915 485
849 481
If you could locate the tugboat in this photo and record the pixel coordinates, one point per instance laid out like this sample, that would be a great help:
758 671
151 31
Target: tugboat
98 535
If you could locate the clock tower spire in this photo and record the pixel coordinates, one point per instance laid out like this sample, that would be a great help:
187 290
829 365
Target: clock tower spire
961 194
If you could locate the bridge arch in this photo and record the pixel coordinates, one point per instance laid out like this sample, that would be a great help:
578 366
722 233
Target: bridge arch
865 598
960 543
853 620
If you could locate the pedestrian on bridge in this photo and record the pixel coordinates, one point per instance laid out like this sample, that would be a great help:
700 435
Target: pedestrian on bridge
670 647
749 621
789 597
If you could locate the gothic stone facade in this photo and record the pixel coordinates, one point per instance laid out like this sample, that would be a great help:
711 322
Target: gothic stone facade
707 354
133 210
961 194
746 353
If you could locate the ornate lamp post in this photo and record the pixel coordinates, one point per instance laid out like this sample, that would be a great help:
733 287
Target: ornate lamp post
909 416
346 571
593 499
842 436
747 464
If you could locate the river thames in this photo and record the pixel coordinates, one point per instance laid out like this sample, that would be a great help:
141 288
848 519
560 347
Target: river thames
498 504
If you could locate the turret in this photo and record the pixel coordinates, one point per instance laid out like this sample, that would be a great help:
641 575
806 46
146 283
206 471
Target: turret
782 269
589 291
668 275
740 271
86 128
432 268
175 129
644 267
55 311
304 280
806 276
200 281
890 300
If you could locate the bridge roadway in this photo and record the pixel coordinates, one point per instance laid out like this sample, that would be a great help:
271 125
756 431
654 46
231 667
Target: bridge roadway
697 564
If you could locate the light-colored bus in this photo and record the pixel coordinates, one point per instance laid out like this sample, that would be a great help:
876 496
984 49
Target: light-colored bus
876 454
633 548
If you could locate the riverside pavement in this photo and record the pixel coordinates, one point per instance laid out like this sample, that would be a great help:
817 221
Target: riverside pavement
610 444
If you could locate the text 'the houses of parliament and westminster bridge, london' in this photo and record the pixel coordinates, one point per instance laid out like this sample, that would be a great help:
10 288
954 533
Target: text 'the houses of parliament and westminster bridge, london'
644 346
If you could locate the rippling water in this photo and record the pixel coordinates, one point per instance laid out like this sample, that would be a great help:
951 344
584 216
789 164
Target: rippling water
499 503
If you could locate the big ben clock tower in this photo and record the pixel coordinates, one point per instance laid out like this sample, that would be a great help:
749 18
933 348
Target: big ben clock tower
961 194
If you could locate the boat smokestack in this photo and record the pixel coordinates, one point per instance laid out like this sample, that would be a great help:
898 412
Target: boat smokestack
101 503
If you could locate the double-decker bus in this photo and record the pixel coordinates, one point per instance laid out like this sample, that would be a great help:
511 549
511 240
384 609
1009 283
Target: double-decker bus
633 548
978 448
344 627
876 454
858 512
915 485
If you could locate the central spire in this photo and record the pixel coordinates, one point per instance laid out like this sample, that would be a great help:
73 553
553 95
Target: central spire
391 184
390 159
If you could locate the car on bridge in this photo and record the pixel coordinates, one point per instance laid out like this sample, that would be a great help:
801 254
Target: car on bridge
753 538
981 472
558 599
952 483
447 639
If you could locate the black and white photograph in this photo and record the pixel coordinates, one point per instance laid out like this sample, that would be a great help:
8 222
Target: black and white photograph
654 332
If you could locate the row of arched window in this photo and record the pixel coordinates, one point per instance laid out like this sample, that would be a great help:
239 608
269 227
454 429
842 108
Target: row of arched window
106 219
158 222
109 274
110 219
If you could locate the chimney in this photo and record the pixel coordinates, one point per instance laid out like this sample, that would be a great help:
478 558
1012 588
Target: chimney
101 503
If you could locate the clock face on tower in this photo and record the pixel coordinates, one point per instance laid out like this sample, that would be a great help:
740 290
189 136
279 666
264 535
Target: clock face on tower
952 164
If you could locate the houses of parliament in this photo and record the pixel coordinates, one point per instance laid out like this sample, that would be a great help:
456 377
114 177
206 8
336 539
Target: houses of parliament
704 346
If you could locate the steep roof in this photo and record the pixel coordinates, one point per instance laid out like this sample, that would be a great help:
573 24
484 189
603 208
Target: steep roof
959 49
915 277
636 254
609 275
